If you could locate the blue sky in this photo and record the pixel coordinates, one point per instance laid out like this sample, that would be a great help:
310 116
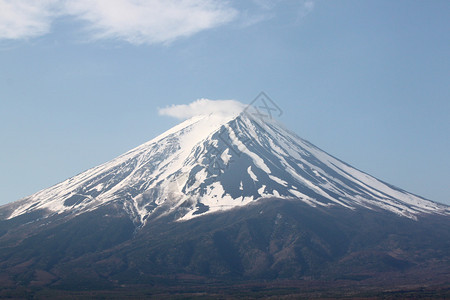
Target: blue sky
367 81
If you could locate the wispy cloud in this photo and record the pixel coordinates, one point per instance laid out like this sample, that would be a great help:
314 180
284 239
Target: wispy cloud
203 107
306 7
21 19
264 10
135 21
150 21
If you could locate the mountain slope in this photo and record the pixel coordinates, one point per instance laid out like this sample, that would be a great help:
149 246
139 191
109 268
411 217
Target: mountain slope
264 245
223 202
213 163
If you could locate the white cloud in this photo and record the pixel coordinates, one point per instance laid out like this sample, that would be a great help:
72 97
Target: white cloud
135 21
21 19
203 107
149 21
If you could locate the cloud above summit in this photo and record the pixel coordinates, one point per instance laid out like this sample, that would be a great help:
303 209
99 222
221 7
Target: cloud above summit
203 107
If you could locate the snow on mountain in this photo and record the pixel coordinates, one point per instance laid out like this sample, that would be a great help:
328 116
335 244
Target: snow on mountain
215 162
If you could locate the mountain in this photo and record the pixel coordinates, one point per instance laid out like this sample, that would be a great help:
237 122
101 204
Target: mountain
214 163
223 197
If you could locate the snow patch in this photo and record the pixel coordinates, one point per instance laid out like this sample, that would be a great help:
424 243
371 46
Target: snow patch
252 175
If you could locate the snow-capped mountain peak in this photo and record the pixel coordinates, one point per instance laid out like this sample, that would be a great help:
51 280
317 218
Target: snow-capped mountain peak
215 162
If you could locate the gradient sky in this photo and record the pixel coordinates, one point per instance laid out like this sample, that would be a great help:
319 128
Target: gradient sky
367 81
